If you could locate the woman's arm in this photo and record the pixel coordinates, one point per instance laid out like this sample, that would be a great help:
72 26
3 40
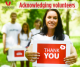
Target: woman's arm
18 39
73 56
73 50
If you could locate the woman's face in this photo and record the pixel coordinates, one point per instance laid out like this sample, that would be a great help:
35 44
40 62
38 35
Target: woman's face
51 20
37 25
25 28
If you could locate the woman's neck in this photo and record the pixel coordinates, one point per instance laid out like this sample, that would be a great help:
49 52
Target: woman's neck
25 32
50 32
36 28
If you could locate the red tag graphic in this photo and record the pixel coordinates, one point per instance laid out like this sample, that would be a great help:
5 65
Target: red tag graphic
7 3
51 53
19 53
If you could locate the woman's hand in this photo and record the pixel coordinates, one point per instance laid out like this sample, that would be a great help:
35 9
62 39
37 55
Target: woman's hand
70 59
32 56
73 57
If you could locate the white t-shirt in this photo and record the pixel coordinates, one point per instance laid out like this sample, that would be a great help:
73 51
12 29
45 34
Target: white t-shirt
35 31
44 37
23 39
12 31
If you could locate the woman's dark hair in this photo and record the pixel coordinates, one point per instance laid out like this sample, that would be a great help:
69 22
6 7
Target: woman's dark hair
59 32
38 20
22 31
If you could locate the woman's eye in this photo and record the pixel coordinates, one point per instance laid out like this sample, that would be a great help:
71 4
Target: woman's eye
49 17
54 18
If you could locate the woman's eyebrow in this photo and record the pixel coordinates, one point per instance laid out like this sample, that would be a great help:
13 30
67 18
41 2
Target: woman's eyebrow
55 16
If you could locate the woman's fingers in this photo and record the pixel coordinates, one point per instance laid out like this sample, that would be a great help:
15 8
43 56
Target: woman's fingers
70 59
70 62
71 56
32 59
29 53
32 56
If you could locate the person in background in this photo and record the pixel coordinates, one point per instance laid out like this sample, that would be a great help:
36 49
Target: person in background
23 40
10 33
52 30
37 25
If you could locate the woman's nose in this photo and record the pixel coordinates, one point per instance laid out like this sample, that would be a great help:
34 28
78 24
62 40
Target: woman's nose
52 19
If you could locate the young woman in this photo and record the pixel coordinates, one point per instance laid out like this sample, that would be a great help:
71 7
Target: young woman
52 30
23 40
37 25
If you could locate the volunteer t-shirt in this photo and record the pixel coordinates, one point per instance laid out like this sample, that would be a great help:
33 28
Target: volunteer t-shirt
12 31
35 31
44 37
24 40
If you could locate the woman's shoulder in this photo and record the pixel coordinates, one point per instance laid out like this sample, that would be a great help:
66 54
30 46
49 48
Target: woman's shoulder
33 29
66 37
37 36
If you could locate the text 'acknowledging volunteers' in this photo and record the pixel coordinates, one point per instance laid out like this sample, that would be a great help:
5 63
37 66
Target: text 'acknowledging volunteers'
47 4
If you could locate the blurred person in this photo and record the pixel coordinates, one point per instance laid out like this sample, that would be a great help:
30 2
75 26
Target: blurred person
23 40
37 27
10 33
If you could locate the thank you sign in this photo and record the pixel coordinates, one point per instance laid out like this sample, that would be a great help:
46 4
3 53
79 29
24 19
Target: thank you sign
52 53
